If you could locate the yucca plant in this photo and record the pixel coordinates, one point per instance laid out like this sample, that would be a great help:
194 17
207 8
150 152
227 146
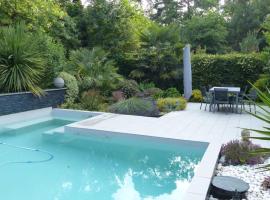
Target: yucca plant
21 61
264 115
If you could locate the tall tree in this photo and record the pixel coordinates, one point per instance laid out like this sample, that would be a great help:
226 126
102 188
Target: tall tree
244 16
112 25
159 58
169 11
206 31
39 15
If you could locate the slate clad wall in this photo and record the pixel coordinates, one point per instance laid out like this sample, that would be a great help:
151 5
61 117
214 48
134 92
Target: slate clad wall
24 101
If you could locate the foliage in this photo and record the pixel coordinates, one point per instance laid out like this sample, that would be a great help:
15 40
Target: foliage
263 82
118 96
150 92
158 59
263 115
144 86
71 85
92 100
37 14
170 92
266 183
135 106
167 12
196 96
234 69
129 88
71 105
266 26
55 59
113 25
244 17
171 104
207 31
239 152
21 60
94 67
250 43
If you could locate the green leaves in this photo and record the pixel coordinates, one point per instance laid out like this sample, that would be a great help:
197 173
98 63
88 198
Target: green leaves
135 106
207 31
159 58
264 116
232 68
21 60
94 64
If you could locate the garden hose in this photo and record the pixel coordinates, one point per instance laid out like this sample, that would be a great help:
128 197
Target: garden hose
50 156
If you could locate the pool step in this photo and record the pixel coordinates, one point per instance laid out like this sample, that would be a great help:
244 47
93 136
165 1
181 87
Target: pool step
59 130
96 120
27 123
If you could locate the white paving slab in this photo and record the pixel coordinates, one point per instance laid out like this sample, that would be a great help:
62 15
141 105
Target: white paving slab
191 124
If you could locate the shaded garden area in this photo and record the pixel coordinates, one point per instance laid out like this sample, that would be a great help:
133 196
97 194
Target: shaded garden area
125 56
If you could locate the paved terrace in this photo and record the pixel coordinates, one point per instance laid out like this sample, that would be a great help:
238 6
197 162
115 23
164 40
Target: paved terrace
191 124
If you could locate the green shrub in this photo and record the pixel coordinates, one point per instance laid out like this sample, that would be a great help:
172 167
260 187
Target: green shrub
71 85
196 96
145 86
158 95
86 84
150 92
130 88
135 106
171 104
170 92
92 100
55 59
117 96
70 105
22 62
234 69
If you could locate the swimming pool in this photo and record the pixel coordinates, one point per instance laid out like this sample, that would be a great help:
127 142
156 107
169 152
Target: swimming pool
70 167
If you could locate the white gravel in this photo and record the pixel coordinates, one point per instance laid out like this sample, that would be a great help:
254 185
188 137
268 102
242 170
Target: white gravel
250 174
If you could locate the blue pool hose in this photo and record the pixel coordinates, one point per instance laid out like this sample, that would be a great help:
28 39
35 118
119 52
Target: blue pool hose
50 156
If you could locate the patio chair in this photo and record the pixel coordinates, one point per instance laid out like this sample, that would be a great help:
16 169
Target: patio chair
221 97
251 98
207 98
242 97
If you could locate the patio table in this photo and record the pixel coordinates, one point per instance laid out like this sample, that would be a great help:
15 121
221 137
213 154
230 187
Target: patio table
232 90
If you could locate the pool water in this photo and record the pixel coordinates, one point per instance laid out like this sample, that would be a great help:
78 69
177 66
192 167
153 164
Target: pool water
86 169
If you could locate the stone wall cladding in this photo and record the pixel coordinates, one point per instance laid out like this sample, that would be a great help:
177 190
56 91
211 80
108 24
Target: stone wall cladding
24 101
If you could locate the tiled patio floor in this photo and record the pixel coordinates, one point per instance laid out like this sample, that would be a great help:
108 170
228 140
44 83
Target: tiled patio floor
190 124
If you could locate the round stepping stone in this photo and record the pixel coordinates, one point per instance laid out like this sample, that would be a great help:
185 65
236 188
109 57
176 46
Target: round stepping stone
228 187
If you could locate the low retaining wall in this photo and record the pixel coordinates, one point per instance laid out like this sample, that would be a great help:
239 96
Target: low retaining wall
24 101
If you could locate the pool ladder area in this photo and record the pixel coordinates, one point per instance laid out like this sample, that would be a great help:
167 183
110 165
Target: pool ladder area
50 156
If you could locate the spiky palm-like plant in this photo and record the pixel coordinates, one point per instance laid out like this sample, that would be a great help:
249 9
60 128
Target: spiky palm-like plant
94 65
21 61
264 115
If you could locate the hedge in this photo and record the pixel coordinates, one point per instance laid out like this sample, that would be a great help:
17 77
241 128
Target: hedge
234 69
